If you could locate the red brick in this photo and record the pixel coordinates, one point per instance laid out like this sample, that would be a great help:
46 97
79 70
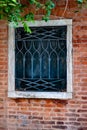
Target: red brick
82 119
43 114
60 127
83 128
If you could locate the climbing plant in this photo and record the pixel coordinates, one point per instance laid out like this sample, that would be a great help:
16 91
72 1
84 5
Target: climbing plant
81 1
14 10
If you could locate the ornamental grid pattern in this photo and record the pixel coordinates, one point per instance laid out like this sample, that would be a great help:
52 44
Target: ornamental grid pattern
40 59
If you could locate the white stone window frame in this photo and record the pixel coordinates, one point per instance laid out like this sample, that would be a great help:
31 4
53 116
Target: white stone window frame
12 93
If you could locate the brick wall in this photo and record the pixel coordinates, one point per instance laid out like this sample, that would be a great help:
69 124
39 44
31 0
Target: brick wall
36 114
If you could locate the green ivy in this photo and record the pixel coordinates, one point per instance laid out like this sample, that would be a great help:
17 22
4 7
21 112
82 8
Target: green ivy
82 2
12 11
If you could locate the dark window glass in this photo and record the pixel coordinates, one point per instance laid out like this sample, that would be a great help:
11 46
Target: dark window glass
40 59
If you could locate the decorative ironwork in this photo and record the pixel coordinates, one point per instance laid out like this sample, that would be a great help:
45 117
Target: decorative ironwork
40 59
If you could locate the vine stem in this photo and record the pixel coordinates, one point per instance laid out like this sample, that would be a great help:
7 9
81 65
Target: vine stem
67 1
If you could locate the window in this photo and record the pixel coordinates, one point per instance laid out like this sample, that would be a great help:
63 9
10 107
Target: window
40 63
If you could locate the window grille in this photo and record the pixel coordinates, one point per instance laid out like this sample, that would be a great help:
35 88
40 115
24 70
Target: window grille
40 59
40 63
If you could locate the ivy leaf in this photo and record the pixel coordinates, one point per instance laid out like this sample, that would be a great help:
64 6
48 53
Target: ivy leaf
14 1
46 18
29 17
80 1
1 16
12 4
38 5
32 1
2 5
26 28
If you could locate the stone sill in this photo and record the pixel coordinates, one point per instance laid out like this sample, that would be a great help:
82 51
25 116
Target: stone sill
42 95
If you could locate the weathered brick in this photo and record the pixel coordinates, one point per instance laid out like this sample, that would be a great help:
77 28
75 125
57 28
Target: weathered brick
82 119
47 122
43 114
60 127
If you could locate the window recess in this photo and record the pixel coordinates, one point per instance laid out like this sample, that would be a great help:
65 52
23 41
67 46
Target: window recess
42 60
